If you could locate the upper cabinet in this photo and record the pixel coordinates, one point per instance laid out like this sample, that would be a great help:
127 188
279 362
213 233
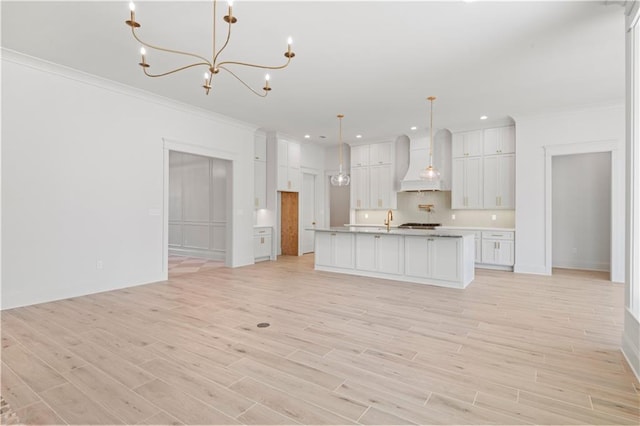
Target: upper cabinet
260 171
484 169
359 155
373 183
467 144
288 166
501 140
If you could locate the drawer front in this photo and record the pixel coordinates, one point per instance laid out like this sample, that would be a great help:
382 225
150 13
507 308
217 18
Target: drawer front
497 235
262 232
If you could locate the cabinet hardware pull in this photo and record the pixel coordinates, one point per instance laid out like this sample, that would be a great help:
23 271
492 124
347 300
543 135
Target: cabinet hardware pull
262 240
313 223
333 235
377 236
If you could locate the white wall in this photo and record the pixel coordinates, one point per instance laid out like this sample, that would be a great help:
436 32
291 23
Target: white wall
533 135
83 180
581 217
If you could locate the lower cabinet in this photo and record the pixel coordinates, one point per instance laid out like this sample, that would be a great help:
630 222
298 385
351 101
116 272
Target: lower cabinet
262 243
334 249
436 258
380 253
497 248
494 249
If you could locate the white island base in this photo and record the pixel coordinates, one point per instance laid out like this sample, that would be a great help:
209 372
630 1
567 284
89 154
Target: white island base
439 258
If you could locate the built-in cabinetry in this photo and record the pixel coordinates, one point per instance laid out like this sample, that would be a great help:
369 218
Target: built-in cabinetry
334 250
262 243
483 175
497 248
444 260
432 258
260 171
372 176
379 252
289 175
494 248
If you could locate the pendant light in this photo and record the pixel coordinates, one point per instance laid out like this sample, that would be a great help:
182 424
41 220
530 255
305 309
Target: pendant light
341 179
430 173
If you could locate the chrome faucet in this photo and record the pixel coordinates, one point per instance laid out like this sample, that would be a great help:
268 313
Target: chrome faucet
388 220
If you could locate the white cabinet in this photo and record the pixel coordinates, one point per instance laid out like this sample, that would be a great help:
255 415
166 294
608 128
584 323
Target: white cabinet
483 169
494 249
381 153
372 176
262 243
466 183
379 252
359 156
499 179
497 248
467 144
289 175
500 140
334 249
381 186
444 257
360 193
260 172
433 257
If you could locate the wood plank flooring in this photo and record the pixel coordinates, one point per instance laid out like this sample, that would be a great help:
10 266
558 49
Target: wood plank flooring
509 349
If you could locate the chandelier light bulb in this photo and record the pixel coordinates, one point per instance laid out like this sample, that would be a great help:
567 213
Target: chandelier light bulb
289 41
230 2
132 7
206 76
143 51
267 77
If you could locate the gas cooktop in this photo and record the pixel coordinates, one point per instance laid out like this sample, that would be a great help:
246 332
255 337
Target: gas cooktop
412 225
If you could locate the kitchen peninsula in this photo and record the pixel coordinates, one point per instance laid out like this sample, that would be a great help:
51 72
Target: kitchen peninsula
436 257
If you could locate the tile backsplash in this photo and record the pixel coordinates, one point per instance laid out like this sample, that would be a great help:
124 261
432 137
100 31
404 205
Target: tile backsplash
408 211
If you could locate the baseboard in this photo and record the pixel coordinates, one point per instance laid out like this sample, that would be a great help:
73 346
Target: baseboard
530 269
631 342
202 254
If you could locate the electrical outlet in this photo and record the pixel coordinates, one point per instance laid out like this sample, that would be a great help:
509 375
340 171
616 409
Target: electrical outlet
366 215
493 217
453 217
99 264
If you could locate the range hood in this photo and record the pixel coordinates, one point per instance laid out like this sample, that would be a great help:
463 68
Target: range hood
418 161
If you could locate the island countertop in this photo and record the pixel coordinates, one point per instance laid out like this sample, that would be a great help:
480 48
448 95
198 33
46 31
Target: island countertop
394 231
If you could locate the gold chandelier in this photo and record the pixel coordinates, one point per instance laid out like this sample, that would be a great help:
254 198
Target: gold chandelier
430 173
341 179
213 65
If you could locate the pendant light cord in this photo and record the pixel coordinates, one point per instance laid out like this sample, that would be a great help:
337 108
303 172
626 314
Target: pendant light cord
431 99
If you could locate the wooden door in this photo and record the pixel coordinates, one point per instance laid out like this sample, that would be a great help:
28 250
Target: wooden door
289 223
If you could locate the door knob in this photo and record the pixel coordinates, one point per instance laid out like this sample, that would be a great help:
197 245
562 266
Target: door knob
313 223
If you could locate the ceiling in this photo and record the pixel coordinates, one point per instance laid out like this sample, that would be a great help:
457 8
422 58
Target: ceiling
374 61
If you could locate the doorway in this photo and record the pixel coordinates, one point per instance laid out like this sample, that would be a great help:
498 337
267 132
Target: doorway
308 212
616 184
581 216
289 223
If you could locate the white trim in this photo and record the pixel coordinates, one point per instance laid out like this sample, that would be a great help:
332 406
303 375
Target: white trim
617 191
173 145
630 342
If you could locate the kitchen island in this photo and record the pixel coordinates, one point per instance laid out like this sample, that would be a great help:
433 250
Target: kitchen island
436 257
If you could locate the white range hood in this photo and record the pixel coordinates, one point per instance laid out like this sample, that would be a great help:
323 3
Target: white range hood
418 161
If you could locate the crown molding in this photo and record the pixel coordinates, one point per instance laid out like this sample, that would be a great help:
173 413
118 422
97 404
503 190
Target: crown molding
122 89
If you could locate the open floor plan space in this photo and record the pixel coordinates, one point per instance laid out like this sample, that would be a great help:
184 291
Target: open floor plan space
330 349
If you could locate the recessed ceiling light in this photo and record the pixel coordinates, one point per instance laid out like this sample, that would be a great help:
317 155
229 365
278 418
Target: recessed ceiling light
413 128
358 136
484 117
307 136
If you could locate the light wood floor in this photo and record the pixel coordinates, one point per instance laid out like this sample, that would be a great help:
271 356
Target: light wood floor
510 349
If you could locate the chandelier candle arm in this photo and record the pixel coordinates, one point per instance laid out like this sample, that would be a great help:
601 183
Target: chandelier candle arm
212 65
